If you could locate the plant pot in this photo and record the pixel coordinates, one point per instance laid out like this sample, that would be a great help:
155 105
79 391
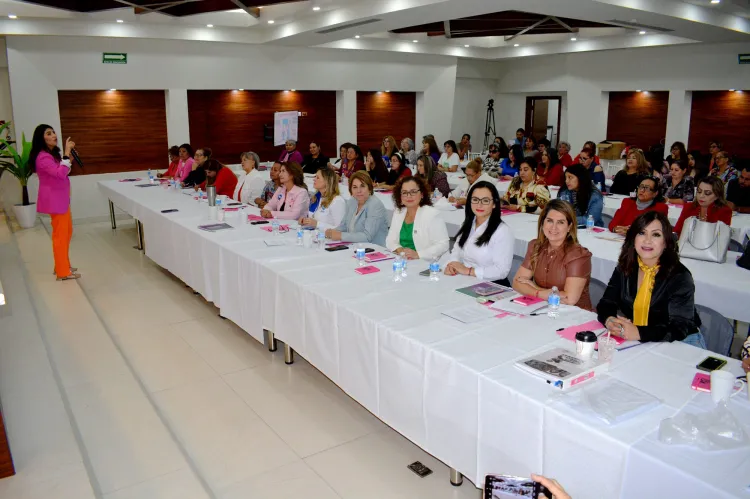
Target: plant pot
25 215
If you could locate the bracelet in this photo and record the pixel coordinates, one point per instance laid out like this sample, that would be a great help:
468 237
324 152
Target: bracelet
536 294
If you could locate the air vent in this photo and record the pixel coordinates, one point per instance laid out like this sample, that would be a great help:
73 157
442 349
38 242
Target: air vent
347 26
632 25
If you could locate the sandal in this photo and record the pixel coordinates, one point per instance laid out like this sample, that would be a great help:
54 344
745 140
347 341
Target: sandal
69 277
72 269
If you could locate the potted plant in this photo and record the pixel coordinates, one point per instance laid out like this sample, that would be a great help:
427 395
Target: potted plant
18 166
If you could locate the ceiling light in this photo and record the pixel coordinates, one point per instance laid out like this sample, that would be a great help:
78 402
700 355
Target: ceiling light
387 91
639 90
293 90
715 1
641 32
113 90
270 21
12 16
467 46
731 90
573 39
240 89
209 25
415 41
120 21
516 44
316 9
356 36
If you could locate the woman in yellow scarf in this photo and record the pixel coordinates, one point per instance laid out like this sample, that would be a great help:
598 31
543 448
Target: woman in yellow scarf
652 291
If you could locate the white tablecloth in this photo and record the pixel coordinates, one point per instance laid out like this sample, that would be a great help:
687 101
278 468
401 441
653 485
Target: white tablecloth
451 388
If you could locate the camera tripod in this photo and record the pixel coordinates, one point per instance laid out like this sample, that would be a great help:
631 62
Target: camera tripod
489 125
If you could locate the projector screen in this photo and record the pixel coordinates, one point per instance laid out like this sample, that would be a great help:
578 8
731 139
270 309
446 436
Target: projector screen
285 127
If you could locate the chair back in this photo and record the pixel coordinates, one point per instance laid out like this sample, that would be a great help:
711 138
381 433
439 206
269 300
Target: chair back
517 261
596 291
606 219
717 330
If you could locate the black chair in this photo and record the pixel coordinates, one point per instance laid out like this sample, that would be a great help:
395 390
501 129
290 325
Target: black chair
717 330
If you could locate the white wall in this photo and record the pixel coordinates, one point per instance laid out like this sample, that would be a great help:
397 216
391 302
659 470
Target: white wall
40 66
470 109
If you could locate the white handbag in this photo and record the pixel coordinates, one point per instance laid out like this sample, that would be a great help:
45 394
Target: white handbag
705 241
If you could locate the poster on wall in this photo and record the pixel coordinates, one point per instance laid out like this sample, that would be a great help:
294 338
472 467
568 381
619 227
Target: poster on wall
285 127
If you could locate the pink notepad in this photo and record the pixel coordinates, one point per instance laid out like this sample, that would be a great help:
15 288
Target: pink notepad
270 229
254 218
598 229
509 212
569 333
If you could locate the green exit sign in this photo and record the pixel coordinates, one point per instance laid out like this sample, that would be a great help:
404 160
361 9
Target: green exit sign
114 58
743 58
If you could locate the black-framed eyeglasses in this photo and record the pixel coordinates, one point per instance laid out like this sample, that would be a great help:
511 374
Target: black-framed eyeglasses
412 193
644 187
482 201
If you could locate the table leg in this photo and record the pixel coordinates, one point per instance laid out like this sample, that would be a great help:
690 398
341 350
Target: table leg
456 478
112 215
271 340
288 355
139 231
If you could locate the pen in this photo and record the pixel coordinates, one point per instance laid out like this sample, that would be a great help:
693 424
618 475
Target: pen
631 346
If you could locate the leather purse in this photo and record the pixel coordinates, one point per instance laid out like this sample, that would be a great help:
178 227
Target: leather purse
706 241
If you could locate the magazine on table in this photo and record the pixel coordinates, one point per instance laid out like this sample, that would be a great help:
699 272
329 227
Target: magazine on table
561 368
215 227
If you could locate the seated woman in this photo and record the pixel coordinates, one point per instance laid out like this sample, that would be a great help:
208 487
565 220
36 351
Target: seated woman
436 179
250 185
586 158
290 153
417 229
555 258
591 145
315 160
629 178
430 148
524 193
474 174
387 148
375 166
327 207
484 244
509 166
198 175
678 153
270 187
582 195
185 166
407 149
653 291
336 165
291 200
398 170
491 164
353 163
365 217
449 160
550 172
174 163
563 153
221 177
530 147
649 199
678 187
710 205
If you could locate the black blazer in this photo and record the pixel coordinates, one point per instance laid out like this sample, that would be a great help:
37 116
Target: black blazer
672 315
312 165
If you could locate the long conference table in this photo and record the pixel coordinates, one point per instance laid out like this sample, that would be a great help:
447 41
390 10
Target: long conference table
449 387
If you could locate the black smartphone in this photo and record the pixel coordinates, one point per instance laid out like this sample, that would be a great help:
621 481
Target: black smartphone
425 273
234 204
170 211
509 487
337 248
259 222
367 250
711 364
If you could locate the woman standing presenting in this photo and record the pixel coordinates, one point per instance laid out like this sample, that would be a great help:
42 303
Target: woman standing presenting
54 193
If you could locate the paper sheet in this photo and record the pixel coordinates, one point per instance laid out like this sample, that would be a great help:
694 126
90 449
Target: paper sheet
470 314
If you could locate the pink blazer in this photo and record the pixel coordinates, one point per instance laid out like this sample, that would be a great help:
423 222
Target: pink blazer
54 185
295 156
296 203
184 169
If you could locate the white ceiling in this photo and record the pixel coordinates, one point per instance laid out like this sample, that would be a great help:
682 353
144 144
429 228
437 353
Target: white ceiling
297 24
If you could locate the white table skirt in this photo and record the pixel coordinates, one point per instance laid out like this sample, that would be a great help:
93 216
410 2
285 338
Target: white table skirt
451 388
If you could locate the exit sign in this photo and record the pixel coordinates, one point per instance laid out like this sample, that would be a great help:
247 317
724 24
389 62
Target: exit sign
743 58
114 58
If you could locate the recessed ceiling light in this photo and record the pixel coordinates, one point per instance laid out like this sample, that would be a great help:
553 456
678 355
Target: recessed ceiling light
293 90
113 90
120 21
356 36
715 1
516 44
573 39
270 21
209 25
316 9
12 16
467 46
415 41
731 90
641 32
260 7
387 91
240 89
639 90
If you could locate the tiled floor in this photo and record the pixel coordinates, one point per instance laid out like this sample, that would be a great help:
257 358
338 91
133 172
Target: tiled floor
167 400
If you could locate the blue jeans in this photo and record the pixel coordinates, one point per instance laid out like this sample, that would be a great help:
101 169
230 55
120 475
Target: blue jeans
696 339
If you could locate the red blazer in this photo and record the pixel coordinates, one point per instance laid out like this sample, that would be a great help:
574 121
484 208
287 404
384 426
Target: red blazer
172 170
628 212
555 175
715 214
225 182
566 160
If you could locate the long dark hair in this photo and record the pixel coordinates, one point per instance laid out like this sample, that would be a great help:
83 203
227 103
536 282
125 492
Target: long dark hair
503 147
681 148
516 182
585 186
669 259
38 145
492 224
517 151
451 143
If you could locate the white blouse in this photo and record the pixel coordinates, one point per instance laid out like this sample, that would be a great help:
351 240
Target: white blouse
331 217
251 185
447 162
490 262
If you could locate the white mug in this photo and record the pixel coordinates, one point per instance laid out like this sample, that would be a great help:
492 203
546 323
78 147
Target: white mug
307 239
723 384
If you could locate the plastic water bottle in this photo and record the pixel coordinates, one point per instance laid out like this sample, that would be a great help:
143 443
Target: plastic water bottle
220 214
360 253
590 224
553 303
435 270
321 239
150 176
403 264
200 194
275 228
300 236
397 271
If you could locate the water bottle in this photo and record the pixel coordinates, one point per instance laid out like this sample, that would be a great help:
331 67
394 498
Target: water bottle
397 271
435 270
150 176
244 216
200 194
360 253
403 264
553 303
590 224
220 214
275 228
321 239
300 236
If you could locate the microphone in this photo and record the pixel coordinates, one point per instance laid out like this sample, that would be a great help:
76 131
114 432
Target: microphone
77 158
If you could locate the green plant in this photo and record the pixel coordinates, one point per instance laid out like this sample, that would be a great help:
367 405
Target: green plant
16 164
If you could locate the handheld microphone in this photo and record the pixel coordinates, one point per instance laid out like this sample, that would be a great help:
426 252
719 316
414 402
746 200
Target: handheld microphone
77 158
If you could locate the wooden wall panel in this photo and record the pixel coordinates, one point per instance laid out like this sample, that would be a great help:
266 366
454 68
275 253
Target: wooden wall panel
638 118
722 116
387 113
231 122
115 131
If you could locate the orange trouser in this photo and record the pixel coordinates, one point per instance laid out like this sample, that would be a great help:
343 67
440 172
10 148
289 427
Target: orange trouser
62 232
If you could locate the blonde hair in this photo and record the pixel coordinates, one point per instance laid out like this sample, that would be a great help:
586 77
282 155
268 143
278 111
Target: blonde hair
363 177
475 165
542 243
392 142
642 168
332 187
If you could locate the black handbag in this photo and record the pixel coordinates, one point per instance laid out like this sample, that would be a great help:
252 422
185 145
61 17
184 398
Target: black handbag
744 260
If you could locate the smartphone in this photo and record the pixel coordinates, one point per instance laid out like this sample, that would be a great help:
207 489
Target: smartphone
711 364
234 204
259 222
170 211
370 269
337 248
510 487
425 273
368 250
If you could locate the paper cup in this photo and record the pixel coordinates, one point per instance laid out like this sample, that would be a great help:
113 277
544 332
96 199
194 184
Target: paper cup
723 385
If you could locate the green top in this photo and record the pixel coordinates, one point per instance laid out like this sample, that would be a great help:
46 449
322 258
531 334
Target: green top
405 238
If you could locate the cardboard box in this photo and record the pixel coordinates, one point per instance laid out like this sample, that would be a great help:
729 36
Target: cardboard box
610 149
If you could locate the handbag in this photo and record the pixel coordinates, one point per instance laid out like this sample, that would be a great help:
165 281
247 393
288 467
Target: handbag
744 260
707 241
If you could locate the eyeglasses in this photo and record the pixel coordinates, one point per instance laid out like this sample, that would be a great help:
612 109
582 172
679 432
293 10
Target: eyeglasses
721 157
645 188
410 194
482 201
